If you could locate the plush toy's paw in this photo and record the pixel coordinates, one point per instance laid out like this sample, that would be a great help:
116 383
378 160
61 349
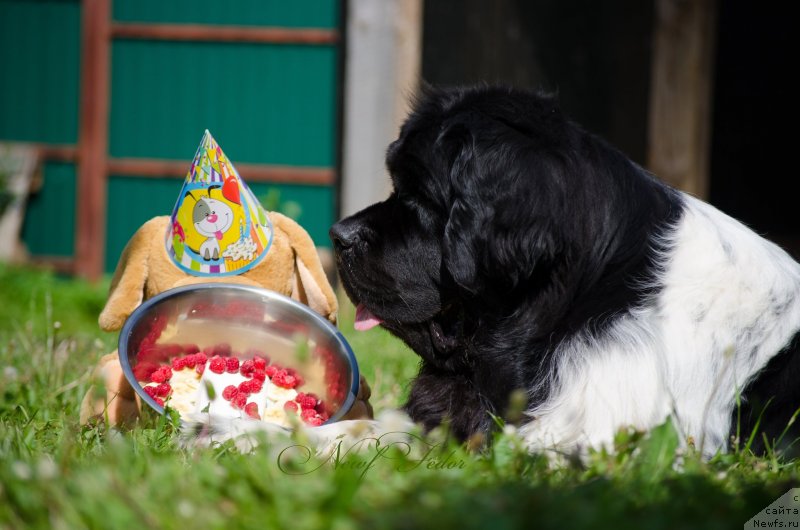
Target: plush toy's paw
362 407
110 398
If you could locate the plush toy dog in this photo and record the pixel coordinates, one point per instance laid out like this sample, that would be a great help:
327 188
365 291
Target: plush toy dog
288 264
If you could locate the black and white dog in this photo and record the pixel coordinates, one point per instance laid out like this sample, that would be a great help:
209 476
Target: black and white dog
518 251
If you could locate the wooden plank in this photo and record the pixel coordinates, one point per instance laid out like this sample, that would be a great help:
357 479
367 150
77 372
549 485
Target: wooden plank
209 33
59 264
57 153
144 167
383 47
93 139
681 78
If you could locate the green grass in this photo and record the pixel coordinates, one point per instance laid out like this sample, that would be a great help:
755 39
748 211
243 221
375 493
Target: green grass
56 474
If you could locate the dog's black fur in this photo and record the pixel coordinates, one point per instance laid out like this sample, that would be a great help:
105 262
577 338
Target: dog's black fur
509 230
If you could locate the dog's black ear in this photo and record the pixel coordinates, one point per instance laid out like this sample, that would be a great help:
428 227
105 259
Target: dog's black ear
462 235
500 231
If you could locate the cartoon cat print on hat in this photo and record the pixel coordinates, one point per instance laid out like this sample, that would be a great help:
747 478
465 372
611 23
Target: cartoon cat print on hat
211 218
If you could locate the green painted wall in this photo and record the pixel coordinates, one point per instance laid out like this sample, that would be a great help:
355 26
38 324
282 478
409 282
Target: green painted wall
288 13
264 103
40 50
49 226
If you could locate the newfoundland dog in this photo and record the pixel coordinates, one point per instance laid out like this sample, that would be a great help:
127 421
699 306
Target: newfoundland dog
520 252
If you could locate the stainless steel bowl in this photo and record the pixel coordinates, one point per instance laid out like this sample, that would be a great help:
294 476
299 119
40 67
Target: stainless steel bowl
250 320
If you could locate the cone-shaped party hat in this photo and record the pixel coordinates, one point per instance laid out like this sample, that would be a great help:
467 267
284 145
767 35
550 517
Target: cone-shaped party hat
218 227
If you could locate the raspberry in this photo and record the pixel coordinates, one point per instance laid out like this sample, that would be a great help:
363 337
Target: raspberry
307 414
229 392
163 390
200 368
162 374
259 375
159 401
256 386
316 421
322 409
251 409
209 350
144 370
191 348
297 376
217 365
239 401
259 362
284 380
306 401
178 364
150 391
201 358
290 406
247 368
271 370
191 361
232 365
244 387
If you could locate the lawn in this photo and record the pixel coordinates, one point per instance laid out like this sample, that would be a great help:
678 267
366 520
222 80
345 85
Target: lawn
57 474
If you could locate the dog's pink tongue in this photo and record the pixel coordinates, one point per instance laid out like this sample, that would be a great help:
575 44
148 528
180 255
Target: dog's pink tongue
365 319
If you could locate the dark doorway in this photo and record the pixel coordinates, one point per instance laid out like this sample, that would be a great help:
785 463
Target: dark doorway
597 57
594 55
753 151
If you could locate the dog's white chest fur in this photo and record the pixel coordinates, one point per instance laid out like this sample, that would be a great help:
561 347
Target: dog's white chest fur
729 301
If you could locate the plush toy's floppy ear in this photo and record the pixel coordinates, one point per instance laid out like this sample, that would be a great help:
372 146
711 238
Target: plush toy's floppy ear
309 283
127 286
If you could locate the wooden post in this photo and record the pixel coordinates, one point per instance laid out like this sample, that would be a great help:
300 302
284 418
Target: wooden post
90 234
681 78
381 73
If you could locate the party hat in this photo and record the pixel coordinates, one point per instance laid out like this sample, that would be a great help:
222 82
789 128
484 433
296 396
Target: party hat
218 227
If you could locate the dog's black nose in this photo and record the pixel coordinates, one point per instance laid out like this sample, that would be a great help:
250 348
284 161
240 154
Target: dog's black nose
344 234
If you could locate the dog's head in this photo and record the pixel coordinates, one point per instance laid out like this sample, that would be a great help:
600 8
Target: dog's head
461 226
502 211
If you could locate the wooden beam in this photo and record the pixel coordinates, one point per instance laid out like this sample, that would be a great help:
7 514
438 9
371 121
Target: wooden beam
680 91
148 167
59 264
57 153
210 33
143 167
90 234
